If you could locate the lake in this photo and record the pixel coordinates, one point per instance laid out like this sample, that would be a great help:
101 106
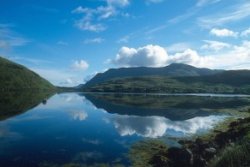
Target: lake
99 129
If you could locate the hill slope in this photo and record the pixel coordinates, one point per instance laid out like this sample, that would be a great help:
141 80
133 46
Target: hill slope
159 84
178 78
170 71
17 77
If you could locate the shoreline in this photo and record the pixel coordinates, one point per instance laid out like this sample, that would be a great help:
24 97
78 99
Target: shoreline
210 149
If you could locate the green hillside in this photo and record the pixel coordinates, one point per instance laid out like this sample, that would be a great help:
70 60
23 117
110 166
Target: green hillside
17 77
158 84
175 78
173 70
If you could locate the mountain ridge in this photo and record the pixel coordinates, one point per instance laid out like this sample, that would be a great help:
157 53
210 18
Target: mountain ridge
172 70
175 78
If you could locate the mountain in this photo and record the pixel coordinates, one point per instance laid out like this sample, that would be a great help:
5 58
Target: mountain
175 78
172 70
235 78
14 76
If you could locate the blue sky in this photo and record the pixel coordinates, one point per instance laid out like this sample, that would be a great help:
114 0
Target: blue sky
68 42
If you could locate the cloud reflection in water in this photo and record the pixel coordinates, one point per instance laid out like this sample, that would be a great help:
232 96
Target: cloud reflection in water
79 115
155 126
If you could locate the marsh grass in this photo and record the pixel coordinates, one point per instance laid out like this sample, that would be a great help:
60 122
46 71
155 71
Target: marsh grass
148 153
233 156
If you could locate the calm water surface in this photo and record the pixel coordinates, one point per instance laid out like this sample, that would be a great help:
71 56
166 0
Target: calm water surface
95 129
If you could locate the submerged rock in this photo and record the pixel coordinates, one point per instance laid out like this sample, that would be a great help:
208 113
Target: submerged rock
209 152
180 157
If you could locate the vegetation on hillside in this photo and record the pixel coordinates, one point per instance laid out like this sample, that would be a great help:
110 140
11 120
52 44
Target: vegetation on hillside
17 77
159 84
173 70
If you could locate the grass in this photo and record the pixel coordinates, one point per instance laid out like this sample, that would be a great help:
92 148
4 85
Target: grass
148 153
237 155
161 84
17 77
232 143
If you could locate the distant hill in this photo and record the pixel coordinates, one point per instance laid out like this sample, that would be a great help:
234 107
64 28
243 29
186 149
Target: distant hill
175 78
172 70
235 78
14 76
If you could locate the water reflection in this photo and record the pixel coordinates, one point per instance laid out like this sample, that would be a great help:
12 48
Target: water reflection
14 103
90 129
6 133
79 115
154 126
176 108
157 116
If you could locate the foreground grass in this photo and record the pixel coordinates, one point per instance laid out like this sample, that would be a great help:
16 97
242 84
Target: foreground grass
229 148
237 155
149 153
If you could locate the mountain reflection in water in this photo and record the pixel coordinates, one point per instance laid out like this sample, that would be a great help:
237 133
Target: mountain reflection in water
77 128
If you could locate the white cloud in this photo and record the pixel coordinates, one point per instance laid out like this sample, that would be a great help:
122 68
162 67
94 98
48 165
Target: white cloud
92 17
215 45
9 38
63 43
156 29
150 55
124 39
88 26
155 126
25 60
80 65
245 33
178 47
152 127
190 57
156 56
91 141
154 1
68 81
12 42
79 115
237 56
223 32
201 3
235 13
120 3
61 77
94 40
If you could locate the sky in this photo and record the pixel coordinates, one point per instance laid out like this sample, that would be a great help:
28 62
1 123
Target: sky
68 42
